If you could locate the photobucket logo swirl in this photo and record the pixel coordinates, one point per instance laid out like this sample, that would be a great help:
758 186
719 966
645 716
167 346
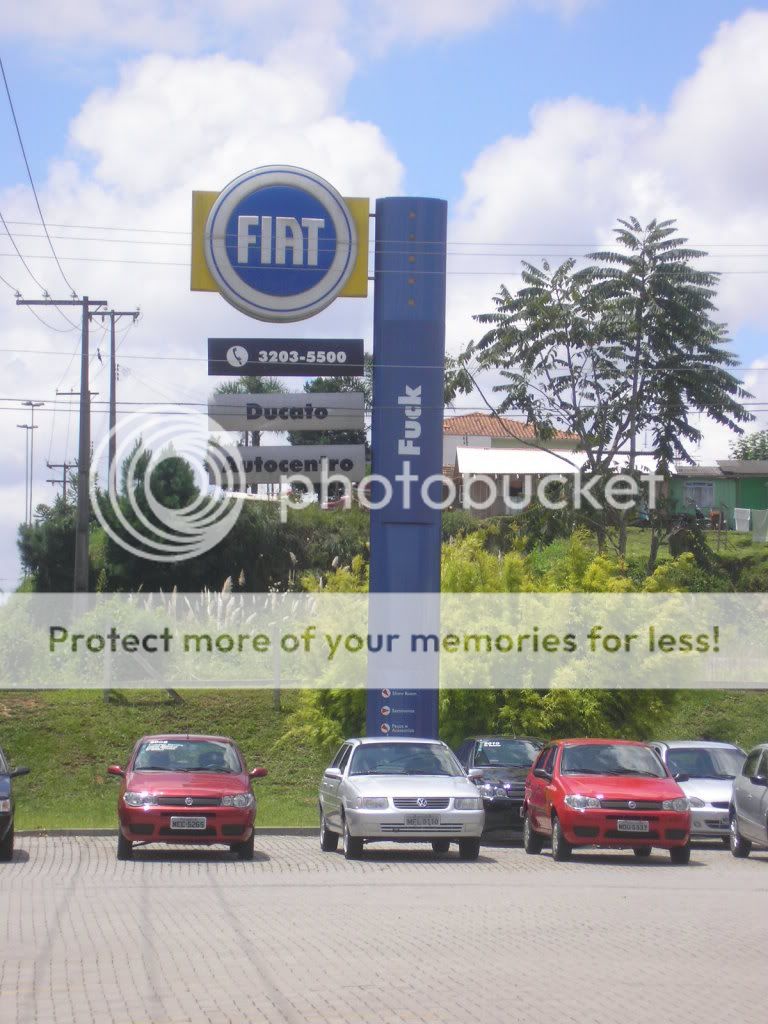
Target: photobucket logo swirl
134 516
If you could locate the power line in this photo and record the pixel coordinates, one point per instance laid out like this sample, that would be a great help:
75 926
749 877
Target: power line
31 180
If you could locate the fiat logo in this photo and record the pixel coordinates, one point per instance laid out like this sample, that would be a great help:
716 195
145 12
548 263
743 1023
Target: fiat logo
631 805
421 802
188 801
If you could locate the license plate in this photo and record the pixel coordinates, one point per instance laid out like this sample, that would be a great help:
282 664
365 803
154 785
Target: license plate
422 820
180 822
632 825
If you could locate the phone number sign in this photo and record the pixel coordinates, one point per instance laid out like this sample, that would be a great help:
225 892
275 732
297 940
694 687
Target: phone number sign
281 357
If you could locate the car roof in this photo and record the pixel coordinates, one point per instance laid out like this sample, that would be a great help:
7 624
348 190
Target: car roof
502 736
393 739
708 744
171 736
581 740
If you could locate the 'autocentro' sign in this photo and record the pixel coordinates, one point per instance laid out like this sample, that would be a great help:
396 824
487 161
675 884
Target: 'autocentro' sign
280 242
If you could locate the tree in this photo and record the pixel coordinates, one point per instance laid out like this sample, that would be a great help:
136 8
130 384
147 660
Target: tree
47 547
624 346
753 446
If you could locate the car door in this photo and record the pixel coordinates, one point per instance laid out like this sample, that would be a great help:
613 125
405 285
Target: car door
756 800
329 787
746 795
540 779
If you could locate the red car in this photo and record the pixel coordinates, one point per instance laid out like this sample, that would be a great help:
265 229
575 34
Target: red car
611 793
186 789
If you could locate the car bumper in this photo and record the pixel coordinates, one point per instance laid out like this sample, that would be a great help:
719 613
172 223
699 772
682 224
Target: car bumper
153 824
712 822
395 824
601 828
506 814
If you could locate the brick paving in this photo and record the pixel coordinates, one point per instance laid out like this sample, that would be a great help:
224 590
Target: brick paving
197 937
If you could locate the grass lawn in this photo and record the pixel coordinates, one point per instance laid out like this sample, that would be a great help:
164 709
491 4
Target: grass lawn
732 546
67 738
735 716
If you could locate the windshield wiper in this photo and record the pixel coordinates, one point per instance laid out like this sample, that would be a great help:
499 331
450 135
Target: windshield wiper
631 771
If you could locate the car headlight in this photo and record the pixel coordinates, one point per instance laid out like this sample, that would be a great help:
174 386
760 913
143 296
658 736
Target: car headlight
138 799
680 804
467 803
5 806
368 803
238 800
577 802
695 801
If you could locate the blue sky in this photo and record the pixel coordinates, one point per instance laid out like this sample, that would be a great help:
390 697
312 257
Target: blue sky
539 120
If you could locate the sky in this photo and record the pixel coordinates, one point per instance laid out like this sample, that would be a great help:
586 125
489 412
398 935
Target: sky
540 121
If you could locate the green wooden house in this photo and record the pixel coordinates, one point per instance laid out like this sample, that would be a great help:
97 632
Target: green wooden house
729 484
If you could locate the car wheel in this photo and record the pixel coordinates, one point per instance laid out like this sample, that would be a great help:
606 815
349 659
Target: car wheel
740 847
352 845
244 850
561 848
680 854
643 851
469 849
6 847
532 841
329 841
441 845
124 847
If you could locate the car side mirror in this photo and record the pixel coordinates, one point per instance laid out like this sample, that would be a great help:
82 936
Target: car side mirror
15 773
257 773
475 773
332 773
540 773
115 769
759 780
681 777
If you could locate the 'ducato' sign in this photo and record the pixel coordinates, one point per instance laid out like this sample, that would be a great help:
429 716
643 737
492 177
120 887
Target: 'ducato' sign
280 243
299 412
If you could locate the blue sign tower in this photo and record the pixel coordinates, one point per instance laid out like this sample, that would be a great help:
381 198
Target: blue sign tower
407 442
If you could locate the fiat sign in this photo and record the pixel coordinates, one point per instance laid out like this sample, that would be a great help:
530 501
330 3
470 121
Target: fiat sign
280 243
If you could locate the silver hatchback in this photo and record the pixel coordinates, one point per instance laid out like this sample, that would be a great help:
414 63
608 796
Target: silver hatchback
401 790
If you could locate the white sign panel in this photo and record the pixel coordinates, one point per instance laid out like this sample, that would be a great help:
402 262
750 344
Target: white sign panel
268 464
287 412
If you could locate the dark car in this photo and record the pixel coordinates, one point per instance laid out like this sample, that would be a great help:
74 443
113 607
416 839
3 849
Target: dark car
6 806
498 765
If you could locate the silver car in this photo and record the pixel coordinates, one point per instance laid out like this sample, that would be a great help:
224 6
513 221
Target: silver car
706 771
749 807
402 790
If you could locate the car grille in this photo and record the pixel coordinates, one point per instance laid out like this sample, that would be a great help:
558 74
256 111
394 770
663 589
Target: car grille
721 805
633 837
623 805
430 803
421 829
195 801
202 832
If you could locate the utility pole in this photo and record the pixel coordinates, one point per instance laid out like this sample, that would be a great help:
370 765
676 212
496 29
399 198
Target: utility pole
32 406
65 468
84 446
26 426
114 315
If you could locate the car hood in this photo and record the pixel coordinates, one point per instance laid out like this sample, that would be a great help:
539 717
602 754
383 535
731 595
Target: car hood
622 787
186 783
412 785
709 790
503 773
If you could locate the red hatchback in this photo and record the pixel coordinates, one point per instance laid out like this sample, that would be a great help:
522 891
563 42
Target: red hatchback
186 789
611 793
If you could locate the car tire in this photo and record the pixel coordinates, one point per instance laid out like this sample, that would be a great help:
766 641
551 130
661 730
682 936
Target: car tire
329 841
6 846
643 851
124 847
740 847
680 854
352 845
441 845
532 841
244 850
561 848
469 849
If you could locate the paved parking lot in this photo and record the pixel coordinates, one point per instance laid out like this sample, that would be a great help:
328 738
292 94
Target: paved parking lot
300 936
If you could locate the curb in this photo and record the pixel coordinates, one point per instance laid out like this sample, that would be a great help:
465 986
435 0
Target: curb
47 833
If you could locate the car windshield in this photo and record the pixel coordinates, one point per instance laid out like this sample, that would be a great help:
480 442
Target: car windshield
611 759
505 753
403 759
706 762
185 755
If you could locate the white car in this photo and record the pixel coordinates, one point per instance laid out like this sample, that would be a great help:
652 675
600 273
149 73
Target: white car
401 790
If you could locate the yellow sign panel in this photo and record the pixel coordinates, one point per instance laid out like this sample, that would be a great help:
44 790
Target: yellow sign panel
202 281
